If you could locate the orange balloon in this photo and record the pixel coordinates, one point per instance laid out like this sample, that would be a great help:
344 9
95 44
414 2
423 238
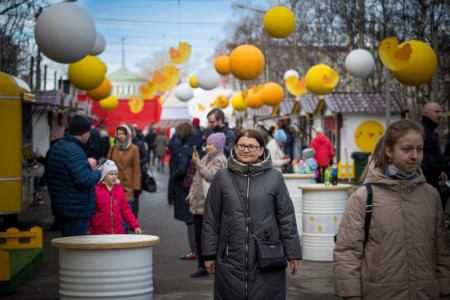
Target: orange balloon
102 91
254 96
246 62
222 65
272 94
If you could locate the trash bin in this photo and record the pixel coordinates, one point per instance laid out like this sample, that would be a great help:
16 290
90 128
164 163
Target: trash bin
361 159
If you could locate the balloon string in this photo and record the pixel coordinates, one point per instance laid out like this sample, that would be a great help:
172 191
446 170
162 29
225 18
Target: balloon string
179 21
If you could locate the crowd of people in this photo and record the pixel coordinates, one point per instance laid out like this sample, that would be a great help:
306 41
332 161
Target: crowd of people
218 174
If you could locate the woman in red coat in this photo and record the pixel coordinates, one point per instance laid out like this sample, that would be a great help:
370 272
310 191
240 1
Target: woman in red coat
324 151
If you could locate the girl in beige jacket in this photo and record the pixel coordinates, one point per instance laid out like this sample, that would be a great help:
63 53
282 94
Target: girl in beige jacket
407 254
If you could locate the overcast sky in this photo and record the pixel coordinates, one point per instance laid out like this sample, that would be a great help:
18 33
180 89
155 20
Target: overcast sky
150 26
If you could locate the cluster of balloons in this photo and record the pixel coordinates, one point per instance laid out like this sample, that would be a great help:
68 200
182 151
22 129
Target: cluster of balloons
66 33
246 62
270 94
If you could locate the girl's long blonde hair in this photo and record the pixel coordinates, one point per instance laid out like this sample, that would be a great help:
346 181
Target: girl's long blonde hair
389 139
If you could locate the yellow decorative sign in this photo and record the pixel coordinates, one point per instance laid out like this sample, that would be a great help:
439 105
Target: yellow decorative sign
181 55
367 135
319 229
392 56
312 219
167 80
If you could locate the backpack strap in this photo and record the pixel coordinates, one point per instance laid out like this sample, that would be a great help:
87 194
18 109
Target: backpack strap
369 209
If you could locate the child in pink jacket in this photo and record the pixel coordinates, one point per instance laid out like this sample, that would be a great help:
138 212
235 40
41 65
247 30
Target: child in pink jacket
112 205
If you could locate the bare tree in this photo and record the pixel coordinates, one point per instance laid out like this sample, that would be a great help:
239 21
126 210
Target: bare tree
16 35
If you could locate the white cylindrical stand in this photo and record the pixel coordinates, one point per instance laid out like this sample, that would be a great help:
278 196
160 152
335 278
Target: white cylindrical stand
106 266
292 183
323 207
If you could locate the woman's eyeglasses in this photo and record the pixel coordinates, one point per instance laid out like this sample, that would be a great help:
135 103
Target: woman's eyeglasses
251 148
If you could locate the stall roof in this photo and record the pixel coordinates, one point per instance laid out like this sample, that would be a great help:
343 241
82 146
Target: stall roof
285 108
372 103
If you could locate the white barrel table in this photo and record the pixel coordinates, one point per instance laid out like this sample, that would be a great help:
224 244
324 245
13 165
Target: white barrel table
293 181
115 266
323 207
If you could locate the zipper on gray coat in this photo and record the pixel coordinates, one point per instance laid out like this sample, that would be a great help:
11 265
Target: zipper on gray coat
247 240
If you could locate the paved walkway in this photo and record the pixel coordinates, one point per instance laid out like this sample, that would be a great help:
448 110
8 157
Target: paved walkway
171 278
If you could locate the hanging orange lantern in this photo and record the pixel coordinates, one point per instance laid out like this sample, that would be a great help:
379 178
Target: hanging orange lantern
254 99
222 65
272 94
246 62
102 91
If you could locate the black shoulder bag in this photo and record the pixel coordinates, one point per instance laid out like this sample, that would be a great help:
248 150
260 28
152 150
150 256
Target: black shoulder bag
369 209
270 254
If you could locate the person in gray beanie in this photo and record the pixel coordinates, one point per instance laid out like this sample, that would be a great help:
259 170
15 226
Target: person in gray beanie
71 180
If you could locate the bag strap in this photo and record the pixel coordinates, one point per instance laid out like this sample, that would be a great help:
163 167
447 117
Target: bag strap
248 221
369 209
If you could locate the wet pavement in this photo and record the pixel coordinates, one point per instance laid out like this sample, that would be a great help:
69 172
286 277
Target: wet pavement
171 275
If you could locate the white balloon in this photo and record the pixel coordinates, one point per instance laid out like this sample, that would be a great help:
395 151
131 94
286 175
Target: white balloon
184 92
99 45
207 78
359 63
228 93
290 73
65 33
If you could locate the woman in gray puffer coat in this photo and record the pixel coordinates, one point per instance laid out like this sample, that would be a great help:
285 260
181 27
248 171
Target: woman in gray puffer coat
227 243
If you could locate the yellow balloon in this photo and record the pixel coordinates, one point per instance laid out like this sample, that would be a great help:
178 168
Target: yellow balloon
109 103
193 81
237 101
88 73
279 22
321 79
421 66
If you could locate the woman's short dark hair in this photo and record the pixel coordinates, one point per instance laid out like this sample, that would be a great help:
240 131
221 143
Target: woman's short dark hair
251 133
184 130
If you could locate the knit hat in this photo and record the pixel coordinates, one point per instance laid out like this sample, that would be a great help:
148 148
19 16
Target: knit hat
196 121
280 136
108 166
79 125
217 139
319 130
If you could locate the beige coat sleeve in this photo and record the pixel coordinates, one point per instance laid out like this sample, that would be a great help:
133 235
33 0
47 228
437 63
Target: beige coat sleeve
348 250
442 251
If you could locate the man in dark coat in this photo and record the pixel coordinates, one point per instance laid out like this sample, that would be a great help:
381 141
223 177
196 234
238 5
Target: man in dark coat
433 164
216 123
150 140
143 160
93 145
71 181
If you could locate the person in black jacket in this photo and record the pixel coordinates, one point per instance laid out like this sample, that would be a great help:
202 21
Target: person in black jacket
216 123
433 164
71 180
228 245
150 140
143 160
